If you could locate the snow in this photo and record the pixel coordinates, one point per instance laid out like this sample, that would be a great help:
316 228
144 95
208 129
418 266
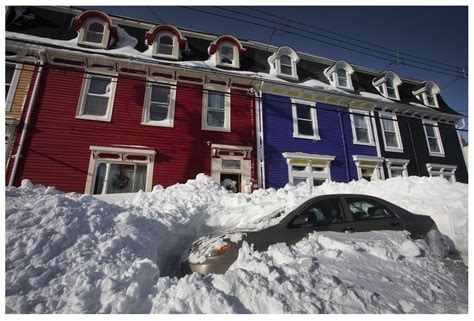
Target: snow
73 253
375 97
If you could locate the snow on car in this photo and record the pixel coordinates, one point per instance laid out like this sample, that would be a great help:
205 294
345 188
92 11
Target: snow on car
73 253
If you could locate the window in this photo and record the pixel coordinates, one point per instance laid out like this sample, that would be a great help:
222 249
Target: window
305 122
97 97
440 170
397 167
165 45
427 92
339 75
361 128
227 54
119 170
12 75
216 108
369 167
323 212
388 84
433 138
391 133
283 63
159 105
308 168
365 209
94 32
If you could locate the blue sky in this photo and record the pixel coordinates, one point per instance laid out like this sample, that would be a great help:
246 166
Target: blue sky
434 33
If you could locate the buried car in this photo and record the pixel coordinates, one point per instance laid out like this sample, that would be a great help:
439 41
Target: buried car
346 213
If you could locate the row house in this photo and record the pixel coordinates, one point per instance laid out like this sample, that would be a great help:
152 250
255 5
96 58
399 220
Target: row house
117 105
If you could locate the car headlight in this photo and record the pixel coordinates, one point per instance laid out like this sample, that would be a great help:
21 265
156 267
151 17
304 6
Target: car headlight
219 251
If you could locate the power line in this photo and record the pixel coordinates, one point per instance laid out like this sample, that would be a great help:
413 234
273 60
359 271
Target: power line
342 41
189 88
155 14
353 39
314 39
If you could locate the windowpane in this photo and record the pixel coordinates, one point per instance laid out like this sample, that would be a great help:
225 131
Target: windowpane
397 172
342 77
216 100
305 127
9 72
298 168
165 50
391 139
158 112
434 147
325 212
287 70
160 94
94 33
367 173
430 131
227 55
298 180
391 93
120 178
359 121
140 177
99 178
166 40
99 85
231 163
388 125
215 118
430 98
362 135
318 169
364 209
96 105
96 27
285 60
303 112
317 182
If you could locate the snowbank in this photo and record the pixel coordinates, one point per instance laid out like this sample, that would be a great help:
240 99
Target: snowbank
71 253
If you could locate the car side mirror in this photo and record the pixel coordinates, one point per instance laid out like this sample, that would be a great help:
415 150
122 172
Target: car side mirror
301 220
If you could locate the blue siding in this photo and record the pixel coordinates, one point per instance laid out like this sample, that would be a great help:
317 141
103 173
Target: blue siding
278 138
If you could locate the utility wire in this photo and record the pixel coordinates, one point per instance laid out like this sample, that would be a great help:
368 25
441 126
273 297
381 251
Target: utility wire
338 40
190 88
155 14
314 39
351 38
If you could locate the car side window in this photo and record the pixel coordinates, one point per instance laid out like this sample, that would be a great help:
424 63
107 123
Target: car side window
320 213
366 209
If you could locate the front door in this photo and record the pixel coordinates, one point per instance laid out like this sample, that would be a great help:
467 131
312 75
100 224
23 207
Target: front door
231 182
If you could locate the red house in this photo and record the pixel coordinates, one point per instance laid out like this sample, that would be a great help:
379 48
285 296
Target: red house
110 115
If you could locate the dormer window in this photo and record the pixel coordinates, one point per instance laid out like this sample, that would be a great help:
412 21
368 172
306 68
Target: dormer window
166 41
94 32
95 29
339 75
388 84
228 51
427 93
283 63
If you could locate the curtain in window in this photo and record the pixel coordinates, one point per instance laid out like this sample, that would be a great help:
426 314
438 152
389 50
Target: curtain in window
140 177
120 178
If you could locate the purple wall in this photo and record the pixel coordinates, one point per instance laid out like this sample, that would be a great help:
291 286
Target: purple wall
278 138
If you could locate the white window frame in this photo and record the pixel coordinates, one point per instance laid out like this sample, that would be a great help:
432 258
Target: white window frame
314 119
420 94
169 122
425 98
435 125
275 63
235 53
227 107
394 118
367 118
397 164
308 161
371 162
84 91
435 170
13 84
381 85
331 74
175 52
105 37
95 160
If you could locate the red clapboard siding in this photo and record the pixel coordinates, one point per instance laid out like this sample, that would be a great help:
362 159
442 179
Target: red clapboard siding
57 148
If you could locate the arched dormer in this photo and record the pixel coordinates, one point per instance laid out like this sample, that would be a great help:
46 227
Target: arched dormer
95 29
427 93
339 75
228 51
387 85
283 63
167 42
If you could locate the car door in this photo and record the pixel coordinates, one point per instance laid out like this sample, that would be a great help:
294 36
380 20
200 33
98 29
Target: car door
322 215
369 215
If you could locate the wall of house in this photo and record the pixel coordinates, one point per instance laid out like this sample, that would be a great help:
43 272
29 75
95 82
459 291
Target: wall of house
57 150
415 147
278 138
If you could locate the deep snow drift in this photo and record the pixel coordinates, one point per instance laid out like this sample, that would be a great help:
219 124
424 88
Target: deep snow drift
70 253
